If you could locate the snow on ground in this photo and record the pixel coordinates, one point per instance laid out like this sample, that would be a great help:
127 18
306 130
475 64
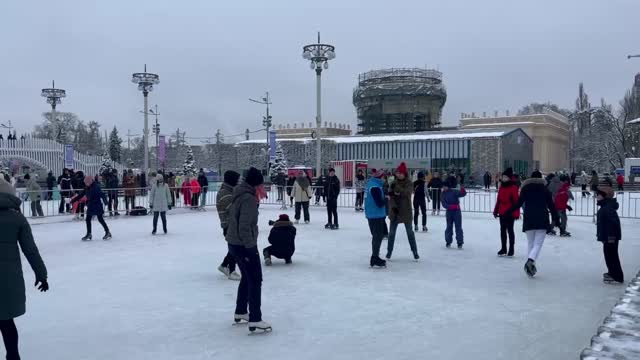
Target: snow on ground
143 297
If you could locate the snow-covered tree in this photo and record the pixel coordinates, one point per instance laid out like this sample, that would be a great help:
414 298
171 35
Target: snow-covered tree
189 166
115 145
106 164
279 163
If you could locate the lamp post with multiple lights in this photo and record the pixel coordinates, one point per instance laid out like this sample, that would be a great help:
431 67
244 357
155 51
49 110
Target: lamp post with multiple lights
54 97
266 121
145 83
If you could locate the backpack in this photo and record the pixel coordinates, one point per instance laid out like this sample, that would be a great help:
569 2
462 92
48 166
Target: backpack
138 211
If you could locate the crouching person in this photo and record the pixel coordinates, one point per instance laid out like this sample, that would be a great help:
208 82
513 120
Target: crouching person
282 239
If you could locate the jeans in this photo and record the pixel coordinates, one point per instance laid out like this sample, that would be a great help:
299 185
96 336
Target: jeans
280 193
506 228
203 197
392 237
359 199
250 287
10 338
612 260
305 206
435 198
36 208
163 215
100 220
420 206
129 202
535 240
454 217
563 220
377 227
332 211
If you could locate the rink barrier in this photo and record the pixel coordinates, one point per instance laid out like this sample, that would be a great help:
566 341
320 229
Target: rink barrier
476 200
619 335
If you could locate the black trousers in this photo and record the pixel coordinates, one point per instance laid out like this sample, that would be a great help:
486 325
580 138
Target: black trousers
163 215
320 194
129 202
377 228
100 220
418 206
305 207
10 338
506 228
113 202
620 187
228 261
584 190
195 200
272 251
359 199
332 211
63 204
435 199
250 287
612 260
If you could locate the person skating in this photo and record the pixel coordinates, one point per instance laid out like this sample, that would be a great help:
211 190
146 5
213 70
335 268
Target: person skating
507 197
160 203
290 182
223 201
204 188
537 202
609 234
171 182
300 193
419 202
35 195
584 181
95 200
486 178
187 194
242 239
280 181
321 181
130 185
359 184
64 184
620 182
451 202
400 192
553 184
282 238
561 202
77 182
51 182
376 213
16 234
331 191
435 187
594 182
113 186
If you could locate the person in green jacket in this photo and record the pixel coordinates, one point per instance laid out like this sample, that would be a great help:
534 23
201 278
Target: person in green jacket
35 195
15 231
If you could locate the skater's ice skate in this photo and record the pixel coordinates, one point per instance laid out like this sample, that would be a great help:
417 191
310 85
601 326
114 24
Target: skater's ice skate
262 326
565 234
529 268
306 222
448 245
388 256
86 237
234 276
510 252
267 261
153 232
327 226
297 222
424 229
376 262
607 279
224 270
335 227
502 252
460 246
240 318
416 257
415 228
107 236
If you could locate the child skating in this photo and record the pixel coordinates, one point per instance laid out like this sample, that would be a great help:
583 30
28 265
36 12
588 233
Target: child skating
609 234
561 202
451 202
96 200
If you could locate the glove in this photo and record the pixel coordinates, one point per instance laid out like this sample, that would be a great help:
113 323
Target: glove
569 208
495 215
44 285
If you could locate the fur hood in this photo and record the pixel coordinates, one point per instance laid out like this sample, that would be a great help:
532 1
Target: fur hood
534 181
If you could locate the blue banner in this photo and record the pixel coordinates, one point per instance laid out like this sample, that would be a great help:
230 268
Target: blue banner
68 156
272 145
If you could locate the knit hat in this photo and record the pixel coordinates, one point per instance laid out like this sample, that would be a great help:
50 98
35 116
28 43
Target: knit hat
283 217
508 173
606 192
6 188
159 177
536 174
377 173
452 182
332 169
88 180
420 175
402 169
254 177
231 177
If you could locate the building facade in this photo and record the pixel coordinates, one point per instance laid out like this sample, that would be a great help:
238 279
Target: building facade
302 130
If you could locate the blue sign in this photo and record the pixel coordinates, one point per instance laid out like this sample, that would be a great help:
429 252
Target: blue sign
272 144
68 156
635 170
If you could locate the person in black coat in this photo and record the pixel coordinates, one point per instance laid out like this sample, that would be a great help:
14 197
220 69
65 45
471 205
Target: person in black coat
282 239
64 183
419 202
280 181
204 187
538 203
609 234
435 186
321 181
112 185
486 179
290 181
51 182
331 191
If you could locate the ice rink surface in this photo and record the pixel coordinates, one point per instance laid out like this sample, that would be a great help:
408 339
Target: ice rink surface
144 297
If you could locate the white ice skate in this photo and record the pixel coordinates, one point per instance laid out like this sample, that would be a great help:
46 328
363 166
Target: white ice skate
234 276
239 319
261 326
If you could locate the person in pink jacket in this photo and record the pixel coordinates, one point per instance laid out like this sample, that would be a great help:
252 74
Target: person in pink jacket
195 193
186 191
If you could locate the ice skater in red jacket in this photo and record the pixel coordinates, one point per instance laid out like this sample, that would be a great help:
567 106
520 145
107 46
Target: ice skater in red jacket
507 197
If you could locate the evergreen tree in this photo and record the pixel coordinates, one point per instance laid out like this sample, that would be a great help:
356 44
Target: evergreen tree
189 165
279 163
115 145
105 168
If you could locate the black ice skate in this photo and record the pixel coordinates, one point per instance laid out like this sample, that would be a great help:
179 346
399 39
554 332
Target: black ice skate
510 253
388 255
607 279
327 226
530 268
335 227
459 246
267 261
448 245
415 228
502 252
565 234
551 233
107 236
424 228
378 263
153 232
261 326
86 237
416 257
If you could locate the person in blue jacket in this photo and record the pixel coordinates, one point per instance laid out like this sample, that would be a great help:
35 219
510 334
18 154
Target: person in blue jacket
375 211
96 200
451 202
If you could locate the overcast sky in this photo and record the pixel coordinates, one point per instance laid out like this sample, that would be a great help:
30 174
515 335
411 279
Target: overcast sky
212 55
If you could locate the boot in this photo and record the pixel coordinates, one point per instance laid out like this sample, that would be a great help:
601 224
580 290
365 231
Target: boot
502 252
415 228
510 253
107 236
260 325
234 276
86 237
416 256
377 262
424 228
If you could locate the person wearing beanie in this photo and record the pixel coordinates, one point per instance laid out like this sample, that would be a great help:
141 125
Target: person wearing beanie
16 234
301 195
160 203
242 239
561 201
331 191
419 202
609 233
359 185
538 203
223 201
400 192
282 238
35 195
112 185
450 198
64 185
204 188
375 211
507 197
96 200
171 183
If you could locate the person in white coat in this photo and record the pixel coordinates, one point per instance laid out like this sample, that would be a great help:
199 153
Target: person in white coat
301 194
160 203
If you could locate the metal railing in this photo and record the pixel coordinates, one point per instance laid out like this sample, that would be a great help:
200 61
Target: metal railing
476 200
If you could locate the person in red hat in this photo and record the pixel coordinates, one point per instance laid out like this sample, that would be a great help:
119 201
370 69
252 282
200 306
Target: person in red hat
282 238
400 210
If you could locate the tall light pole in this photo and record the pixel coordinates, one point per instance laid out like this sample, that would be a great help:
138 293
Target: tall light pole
266 120
145 83
319 54
156 131
54 97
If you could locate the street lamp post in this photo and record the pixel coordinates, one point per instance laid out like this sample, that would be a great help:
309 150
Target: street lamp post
266 120
319 54
54 97
156 131
145 83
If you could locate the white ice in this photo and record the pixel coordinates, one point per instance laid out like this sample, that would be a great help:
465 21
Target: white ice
143 297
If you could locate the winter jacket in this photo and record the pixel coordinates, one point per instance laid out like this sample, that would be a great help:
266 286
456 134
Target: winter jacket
554 185
179 181
321 181
400 209
95 199
486 179
203 182
419 193
584 179
561 200
186 189
195 186
435 183
332 187
507 197
77 181
51 181
538 203
223 201
64 181
171 181
450 198
595 181
130 185
360 184
243 217
280 179
160 198
608 181
34 190
374 201
301 190
112 184
290 182
608 221
15 230
620 179
282 238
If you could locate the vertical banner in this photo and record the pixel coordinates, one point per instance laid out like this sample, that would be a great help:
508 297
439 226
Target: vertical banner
272 144
68 156
162 149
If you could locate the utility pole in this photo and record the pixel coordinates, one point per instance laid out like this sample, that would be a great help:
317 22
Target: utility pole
219 140
129 136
